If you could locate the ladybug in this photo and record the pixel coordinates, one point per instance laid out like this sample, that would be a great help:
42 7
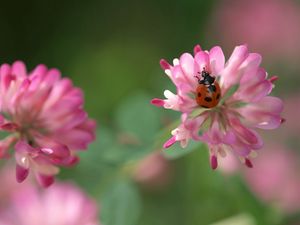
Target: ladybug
208 92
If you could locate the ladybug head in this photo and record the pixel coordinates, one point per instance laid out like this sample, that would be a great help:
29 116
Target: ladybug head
204 73
206 78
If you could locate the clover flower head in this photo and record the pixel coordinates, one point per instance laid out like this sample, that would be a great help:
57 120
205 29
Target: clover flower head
222 104
44 117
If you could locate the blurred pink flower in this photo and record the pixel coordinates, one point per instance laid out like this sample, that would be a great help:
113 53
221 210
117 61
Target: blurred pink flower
9 185
244 105
44 114
61 204
276 32
154 171
275 177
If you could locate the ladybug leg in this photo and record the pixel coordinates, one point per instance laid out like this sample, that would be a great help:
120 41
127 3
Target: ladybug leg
198 78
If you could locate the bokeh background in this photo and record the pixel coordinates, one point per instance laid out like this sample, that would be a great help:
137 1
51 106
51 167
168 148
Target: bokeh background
111 50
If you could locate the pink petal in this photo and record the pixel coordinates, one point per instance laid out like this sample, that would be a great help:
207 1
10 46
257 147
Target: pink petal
44 180
169 142
5 69
76 139
89 125
5 77
248 136
35 81
264 114
59 90
273 79
62 108
1 119
71 161
253 77
249 75
38 70
239 54
217 60
21 173
56 153
158 102
214 162
231 74
259 143
241 149
183 81
46 165
19 69
202 59
187 64
194 125
214 135
52 76
164 64
33 100
252 62
253 93
10 127
270 104
197 49
52 149
261 90
238 147
23 147
70 121
248 163
24 86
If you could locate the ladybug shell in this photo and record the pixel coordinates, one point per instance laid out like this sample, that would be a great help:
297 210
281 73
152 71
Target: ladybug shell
207 99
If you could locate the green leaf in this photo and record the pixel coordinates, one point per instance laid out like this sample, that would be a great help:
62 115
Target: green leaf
104 139
176 151
138 118
121 204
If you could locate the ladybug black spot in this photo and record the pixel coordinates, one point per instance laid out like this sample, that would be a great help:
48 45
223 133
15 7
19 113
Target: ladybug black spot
218 96
208 99
199 94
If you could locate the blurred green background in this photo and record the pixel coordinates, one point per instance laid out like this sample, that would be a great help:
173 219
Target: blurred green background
111 49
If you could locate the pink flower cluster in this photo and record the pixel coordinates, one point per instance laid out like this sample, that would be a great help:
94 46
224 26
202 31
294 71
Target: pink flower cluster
244 105
275 178
44 116
61 204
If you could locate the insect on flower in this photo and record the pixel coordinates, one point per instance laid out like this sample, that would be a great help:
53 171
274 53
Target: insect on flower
225 105
208 92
